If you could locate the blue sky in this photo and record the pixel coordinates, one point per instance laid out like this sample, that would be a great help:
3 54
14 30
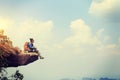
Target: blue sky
78 38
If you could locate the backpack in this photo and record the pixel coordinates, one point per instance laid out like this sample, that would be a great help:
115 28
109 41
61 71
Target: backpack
26 48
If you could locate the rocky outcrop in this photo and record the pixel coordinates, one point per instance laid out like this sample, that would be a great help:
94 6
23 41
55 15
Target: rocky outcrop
14 57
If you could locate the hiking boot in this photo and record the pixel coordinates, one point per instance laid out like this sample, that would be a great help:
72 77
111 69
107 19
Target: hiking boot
41 57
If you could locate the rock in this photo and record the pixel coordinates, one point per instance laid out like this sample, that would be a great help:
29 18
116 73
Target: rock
14 57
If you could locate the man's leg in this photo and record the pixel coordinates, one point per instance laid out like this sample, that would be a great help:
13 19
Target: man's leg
39 54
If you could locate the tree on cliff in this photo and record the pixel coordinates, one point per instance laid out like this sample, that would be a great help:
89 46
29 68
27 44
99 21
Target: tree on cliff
4 63
4 75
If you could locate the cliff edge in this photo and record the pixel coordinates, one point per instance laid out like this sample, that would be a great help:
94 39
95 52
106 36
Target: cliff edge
12 56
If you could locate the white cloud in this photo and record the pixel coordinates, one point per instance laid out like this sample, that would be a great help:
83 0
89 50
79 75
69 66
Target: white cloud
106 38
82 40
109 49
82 34
111 46
5 22
104 7
21 31
119 39
99 33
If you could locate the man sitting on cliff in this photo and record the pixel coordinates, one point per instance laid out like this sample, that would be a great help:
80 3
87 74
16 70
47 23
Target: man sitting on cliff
29 47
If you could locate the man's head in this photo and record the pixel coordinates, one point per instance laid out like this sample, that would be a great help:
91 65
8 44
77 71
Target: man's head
31 40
